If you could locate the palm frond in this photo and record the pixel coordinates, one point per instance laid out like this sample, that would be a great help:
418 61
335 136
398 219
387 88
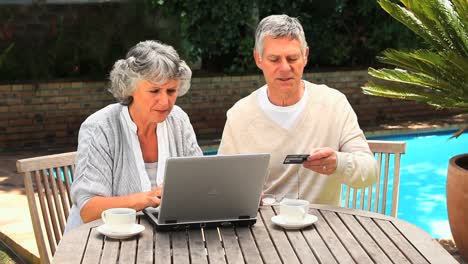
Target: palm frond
418 79
459 132
461 7
430 13
448 21
436 76
408 18
408 92
460 64
446 66
438 18
397 90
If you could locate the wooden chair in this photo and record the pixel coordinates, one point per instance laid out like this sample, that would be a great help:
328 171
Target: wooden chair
47 181
374 197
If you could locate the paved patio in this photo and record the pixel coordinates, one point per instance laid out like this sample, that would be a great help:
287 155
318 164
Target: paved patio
15 225
16 230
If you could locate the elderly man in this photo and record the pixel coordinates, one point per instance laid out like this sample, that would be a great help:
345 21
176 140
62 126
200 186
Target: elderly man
290 115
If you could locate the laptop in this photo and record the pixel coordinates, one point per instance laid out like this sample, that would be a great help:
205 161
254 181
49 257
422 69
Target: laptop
209 191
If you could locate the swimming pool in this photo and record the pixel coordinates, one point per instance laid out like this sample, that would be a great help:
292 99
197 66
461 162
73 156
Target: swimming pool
423 177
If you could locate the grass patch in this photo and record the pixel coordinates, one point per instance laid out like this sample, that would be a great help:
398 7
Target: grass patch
5 257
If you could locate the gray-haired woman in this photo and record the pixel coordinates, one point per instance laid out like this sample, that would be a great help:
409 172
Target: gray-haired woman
122 148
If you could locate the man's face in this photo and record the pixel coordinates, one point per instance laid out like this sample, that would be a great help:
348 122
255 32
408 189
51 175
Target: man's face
282 64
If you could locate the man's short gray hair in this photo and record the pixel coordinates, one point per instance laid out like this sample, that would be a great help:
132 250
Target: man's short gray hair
279 26
148 60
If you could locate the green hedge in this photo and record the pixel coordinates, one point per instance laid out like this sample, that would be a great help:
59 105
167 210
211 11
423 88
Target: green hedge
220 33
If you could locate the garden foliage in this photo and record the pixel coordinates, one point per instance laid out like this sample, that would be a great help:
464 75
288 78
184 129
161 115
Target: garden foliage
83 41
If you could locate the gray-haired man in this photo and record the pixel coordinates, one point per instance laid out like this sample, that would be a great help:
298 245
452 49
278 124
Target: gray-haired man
292 116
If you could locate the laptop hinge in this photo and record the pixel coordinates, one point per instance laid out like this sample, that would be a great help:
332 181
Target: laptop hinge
244 217
171 221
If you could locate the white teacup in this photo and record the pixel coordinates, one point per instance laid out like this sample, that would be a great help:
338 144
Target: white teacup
294 210
119 219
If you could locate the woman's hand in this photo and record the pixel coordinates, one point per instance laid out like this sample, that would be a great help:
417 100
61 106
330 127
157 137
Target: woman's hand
146 199
93 209
322 160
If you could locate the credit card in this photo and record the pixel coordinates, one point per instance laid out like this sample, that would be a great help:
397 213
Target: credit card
295 159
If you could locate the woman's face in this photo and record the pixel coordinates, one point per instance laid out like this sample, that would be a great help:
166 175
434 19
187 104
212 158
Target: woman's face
152 103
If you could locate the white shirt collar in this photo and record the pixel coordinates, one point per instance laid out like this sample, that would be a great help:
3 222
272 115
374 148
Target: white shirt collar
128 119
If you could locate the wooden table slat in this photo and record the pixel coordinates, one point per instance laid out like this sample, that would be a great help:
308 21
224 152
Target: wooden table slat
279 237
214 246
369 245
400 241
76 244
321 251
265 246
382 240
301 247
162 247
128 250
333 243
231 245
145 243
426 245
93 249
180 249
347 239
110 250
344 210
248 246
197 247
128 247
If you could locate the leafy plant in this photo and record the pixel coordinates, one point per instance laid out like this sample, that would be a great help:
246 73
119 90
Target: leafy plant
84 41
340 32
437 75
5 53
73 41
215 29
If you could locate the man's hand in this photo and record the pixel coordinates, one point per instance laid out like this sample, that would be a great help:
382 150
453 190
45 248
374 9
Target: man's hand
322 160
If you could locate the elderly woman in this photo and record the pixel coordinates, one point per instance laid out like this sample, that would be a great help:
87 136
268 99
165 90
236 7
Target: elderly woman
122 148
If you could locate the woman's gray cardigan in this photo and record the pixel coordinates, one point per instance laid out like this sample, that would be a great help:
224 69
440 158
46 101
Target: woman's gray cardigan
105 164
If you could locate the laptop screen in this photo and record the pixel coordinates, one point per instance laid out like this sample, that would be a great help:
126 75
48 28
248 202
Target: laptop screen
212 188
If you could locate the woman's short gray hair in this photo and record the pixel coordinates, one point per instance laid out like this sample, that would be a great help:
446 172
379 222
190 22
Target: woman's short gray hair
278 26
148 60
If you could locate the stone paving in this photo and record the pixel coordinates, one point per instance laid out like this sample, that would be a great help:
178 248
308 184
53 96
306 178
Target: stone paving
15 224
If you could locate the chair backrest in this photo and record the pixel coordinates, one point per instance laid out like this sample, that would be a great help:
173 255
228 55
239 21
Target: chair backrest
374 197
47 182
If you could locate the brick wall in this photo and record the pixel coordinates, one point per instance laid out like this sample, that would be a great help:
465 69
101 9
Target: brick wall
49 115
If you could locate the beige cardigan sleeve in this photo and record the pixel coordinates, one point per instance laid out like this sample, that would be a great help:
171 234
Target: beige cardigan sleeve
356 164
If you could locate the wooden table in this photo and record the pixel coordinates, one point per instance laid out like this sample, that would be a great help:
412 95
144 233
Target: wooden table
339 236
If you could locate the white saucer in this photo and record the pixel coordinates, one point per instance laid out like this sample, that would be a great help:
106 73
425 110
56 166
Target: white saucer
105 230
281 221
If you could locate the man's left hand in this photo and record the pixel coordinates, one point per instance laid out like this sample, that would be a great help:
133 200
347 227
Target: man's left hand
322 160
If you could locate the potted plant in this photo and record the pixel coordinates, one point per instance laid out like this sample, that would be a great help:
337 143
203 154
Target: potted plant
437 76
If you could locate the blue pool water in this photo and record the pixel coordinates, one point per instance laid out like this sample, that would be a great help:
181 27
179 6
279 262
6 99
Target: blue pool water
423 178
